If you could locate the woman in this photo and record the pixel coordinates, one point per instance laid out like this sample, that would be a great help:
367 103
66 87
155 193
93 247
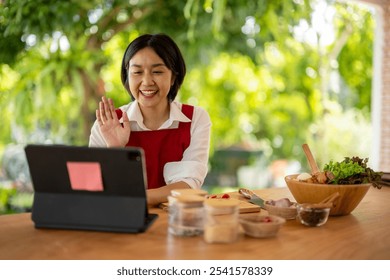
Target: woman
175 137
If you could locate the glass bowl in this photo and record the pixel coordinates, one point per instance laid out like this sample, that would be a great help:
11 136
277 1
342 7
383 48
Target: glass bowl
312 216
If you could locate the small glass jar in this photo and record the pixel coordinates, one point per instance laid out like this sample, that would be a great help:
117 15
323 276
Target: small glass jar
221 220
185 215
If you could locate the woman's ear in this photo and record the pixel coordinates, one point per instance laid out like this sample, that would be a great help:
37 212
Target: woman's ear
173 80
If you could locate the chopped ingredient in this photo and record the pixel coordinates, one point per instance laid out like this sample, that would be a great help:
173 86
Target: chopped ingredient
267 219
283 202
224 196
304 176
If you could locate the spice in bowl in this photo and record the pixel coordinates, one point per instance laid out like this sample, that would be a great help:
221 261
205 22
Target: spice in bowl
312 216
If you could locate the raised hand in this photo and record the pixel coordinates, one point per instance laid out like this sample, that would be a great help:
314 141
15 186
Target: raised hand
114 133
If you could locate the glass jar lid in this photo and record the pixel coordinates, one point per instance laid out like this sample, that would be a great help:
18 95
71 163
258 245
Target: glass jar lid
190 199
180 192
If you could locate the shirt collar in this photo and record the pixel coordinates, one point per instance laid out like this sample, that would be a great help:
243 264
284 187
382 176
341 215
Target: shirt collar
175 115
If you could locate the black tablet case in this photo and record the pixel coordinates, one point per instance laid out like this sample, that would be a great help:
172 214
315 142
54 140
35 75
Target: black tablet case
120 207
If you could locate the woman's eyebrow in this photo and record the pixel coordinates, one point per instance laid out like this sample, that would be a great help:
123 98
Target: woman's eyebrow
153 65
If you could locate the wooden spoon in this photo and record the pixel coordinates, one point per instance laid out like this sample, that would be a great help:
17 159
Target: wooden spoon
310 158
315 171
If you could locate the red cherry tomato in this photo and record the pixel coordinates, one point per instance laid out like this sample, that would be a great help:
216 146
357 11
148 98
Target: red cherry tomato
225 195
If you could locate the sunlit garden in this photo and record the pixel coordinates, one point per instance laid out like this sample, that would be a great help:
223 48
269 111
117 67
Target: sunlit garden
271 74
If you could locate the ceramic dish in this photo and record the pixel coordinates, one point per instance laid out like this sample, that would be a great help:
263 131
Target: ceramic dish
261 226
288 213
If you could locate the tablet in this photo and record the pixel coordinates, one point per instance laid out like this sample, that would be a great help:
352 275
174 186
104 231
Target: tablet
85 188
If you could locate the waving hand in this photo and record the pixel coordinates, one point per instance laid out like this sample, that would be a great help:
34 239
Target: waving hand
114 133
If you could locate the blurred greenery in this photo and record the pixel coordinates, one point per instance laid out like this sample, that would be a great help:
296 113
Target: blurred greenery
5 196
271 74
14 201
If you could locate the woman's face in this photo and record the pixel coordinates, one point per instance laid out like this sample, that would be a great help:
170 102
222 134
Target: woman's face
149 78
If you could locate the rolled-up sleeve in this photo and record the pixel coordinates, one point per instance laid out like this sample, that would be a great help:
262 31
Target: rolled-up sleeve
192 169
191 172
95 138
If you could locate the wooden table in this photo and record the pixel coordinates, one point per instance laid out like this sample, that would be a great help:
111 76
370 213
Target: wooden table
364 234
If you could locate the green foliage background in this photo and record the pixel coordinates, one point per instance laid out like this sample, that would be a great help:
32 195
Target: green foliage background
261 85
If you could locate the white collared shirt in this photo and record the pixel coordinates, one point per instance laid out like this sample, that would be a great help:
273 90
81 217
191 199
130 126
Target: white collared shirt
192 169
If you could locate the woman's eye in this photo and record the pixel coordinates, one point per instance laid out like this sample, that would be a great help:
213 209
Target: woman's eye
136 72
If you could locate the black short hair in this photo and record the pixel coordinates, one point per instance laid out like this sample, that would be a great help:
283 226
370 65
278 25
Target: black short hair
165 48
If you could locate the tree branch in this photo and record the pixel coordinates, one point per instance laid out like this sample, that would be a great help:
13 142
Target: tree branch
342 40
96 40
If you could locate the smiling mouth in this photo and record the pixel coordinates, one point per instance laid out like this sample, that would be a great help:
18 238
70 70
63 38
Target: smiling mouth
148 93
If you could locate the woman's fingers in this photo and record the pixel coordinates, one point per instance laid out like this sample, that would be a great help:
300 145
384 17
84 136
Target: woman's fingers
102 113
98 117
106 111
112 109
126 121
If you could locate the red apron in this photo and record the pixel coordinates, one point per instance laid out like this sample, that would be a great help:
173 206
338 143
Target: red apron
162 146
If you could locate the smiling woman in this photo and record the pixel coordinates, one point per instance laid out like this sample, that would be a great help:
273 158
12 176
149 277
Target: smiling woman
175 137
150 83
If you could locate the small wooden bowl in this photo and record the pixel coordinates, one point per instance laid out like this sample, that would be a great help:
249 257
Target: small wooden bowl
288 213
349 199
256 226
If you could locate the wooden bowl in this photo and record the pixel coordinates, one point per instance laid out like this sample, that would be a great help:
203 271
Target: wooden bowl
350 195
261 226
288 213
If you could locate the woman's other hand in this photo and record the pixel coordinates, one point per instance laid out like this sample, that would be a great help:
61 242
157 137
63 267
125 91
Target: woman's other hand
114 133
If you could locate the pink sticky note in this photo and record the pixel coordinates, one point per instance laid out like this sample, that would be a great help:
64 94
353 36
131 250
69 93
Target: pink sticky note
85 176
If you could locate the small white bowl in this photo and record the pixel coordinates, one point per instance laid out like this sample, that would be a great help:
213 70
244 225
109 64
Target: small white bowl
261 226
